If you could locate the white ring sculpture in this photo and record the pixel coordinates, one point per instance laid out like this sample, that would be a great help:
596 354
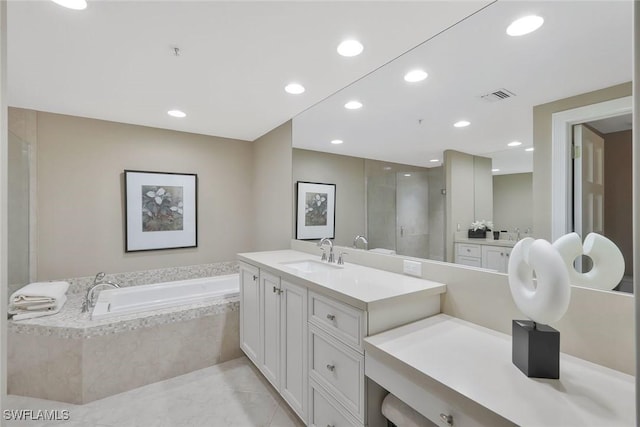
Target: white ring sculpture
547 300
608 262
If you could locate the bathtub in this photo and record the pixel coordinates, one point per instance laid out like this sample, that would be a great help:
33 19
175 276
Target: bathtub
137 299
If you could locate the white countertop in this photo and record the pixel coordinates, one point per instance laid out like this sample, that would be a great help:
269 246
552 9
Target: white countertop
476 363
505 243
354 284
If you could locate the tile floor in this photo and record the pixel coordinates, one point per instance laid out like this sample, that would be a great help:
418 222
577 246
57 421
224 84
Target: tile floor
233 393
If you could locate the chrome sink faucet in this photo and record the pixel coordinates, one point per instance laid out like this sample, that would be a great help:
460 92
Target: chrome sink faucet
324 254
362 239
98 281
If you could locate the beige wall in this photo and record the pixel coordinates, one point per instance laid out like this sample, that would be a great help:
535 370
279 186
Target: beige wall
542 132
348 175
80 207
618 194
271 201
513 201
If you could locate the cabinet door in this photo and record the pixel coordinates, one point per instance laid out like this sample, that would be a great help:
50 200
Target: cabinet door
270 327
293 347
493 257
507 254
250 313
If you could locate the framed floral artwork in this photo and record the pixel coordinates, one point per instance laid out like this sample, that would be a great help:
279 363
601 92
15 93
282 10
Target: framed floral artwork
315 210
161 210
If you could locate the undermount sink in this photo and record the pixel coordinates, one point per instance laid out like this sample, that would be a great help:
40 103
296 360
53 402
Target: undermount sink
311 266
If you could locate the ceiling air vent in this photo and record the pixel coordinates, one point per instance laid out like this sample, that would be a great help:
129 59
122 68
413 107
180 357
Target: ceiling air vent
498 95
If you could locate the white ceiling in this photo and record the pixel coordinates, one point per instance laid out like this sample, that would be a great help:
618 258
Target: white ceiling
114 60
582 46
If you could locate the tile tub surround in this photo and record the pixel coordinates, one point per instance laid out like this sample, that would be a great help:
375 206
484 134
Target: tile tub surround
67 357
79 285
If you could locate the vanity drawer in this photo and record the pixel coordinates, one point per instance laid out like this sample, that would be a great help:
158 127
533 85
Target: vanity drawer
468 250
339 369
326 411
342 321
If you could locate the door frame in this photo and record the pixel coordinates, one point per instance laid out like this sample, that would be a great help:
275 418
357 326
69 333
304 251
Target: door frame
561 157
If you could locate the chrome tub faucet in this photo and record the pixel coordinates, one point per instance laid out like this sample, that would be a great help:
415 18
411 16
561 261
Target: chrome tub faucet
98 281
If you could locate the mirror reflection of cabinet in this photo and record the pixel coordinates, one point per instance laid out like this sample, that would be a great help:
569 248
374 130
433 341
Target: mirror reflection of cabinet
484 255
495 258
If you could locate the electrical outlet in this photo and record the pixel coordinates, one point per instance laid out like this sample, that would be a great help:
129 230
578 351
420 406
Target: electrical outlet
412 268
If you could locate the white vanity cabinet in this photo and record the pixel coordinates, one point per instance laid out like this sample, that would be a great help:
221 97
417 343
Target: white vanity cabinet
468 254
274 314
310 329
336 358
496 258
250 313
485 255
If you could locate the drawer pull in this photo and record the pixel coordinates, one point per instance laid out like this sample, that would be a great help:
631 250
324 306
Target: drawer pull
331 367
275 290
255 277
331 316
447 419
468 250
330 425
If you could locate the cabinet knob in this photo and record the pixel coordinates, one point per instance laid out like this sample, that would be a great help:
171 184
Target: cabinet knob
255 277
447 419
468 250
275 289
331 316
331 368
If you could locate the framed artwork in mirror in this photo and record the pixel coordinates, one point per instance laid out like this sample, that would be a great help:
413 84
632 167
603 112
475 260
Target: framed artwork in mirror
315 210
161 210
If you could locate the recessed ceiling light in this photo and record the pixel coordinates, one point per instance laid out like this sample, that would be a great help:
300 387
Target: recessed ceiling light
72 4
407 174
434 160
495 170
415 76
337 141
528 149
350 48
294 88
353 105
461 124
525 25
387 168
514 143
177 113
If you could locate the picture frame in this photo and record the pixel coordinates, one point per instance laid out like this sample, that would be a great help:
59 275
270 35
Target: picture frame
315 210
161 210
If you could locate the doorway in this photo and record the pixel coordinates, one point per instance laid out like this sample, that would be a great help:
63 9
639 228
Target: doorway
602 186
562 170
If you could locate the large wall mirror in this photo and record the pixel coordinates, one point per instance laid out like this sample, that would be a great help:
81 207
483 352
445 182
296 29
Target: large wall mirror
417 162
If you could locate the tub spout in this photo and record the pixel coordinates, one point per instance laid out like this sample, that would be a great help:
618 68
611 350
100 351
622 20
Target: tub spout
99 281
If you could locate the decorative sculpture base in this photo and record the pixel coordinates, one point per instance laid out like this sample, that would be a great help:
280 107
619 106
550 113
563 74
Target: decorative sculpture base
536 349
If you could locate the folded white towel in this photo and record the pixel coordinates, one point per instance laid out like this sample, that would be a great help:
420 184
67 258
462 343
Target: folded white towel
38 299
20 314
